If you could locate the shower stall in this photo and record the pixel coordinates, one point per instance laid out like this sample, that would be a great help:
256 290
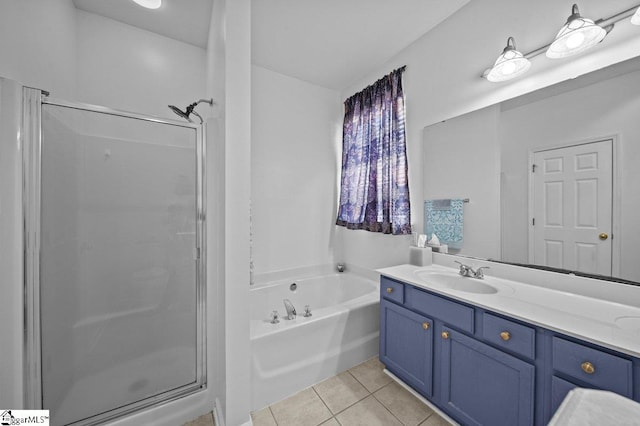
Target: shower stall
113 253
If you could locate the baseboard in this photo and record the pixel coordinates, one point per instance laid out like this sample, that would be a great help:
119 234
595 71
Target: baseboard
218 416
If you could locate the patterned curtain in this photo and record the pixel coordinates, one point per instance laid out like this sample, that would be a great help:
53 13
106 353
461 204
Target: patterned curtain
374 190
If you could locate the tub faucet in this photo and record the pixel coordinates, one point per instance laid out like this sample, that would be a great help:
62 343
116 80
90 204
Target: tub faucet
291 311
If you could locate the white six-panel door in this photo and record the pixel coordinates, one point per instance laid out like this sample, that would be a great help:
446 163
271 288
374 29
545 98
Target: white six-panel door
572 207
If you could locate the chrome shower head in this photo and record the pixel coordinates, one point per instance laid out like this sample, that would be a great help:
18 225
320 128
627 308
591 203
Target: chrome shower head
190 110
178 111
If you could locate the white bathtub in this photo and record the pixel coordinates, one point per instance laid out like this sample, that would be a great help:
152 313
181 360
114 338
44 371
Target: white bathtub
294 354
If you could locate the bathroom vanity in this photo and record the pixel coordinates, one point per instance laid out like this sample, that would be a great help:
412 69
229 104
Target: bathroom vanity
503 352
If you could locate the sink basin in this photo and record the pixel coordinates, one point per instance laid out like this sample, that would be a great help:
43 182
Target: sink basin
628 323
456 282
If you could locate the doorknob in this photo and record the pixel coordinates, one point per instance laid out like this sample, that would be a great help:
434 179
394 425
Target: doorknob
603 236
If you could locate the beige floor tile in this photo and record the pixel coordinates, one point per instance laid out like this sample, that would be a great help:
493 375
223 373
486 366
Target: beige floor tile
204 420
368 412
435 420
406 407
331 422
370 374
263 418
302 409
341 391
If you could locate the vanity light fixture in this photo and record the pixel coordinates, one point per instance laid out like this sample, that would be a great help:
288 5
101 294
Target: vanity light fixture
149 4
578 33
576 36
510 64
635 19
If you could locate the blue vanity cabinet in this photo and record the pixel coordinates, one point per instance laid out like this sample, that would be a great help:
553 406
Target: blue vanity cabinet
576 365
406 345
485 368
482 385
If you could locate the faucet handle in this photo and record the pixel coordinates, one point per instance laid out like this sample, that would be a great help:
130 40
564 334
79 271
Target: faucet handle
274 317
479 273
307 311
464 269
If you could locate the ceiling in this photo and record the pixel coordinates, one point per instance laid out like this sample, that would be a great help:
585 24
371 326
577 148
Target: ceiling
331 43
182 20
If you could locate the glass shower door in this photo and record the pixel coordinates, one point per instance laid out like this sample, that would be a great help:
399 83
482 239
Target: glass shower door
121 298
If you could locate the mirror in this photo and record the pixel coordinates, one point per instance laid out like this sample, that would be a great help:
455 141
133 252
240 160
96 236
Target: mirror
566 156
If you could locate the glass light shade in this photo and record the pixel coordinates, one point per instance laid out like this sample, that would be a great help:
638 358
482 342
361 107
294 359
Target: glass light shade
576 36
510 64
149 4
635 19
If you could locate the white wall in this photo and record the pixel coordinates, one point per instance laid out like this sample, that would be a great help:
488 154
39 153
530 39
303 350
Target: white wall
462 160
293 165
237 192
38 44
11 253
442 80
215 141
123 67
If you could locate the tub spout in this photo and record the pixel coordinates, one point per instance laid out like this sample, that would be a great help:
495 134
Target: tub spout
291 311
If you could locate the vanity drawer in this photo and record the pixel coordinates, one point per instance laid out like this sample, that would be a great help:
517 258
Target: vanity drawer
391 290
592 366
452 313
509 335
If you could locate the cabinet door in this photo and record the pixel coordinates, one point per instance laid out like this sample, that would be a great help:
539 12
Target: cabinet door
406 345
559 390
484 386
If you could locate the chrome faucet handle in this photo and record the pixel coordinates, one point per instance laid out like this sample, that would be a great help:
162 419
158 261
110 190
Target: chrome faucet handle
274 317
479 274
307 311
464 269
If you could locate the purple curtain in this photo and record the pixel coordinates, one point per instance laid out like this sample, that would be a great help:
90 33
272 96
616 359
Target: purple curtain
374 190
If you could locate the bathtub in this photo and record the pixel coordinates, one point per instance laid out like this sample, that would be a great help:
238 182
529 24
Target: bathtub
295 354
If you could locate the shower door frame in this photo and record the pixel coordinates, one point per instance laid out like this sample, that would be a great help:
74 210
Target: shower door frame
31 139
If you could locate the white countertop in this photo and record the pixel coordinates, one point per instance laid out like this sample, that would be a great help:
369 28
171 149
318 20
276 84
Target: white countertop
547 300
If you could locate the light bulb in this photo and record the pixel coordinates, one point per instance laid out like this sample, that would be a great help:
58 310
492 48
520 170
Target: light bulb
575 40
576 36
635 19
510 64
149 4
508 68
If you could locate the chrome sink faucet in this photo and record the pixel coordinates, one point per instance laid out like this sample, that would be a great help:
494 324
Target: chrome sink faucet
291 311
467 271
479 273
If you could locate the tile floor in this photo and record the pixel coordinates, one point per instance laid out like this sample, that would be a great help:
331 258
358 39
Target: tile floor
204 420
363 395
360 396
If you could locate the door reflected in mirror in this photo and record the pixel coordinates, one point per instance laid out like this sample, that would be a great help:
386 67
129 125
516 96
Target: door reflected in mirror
548 174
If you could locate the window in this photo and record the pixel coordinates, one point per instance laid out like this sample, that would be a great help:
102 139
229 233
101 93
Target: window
374 189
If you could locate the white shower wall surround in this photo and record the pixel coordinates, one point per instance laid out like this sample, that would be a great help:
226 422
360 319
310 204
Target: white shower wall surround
113 212
294 354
